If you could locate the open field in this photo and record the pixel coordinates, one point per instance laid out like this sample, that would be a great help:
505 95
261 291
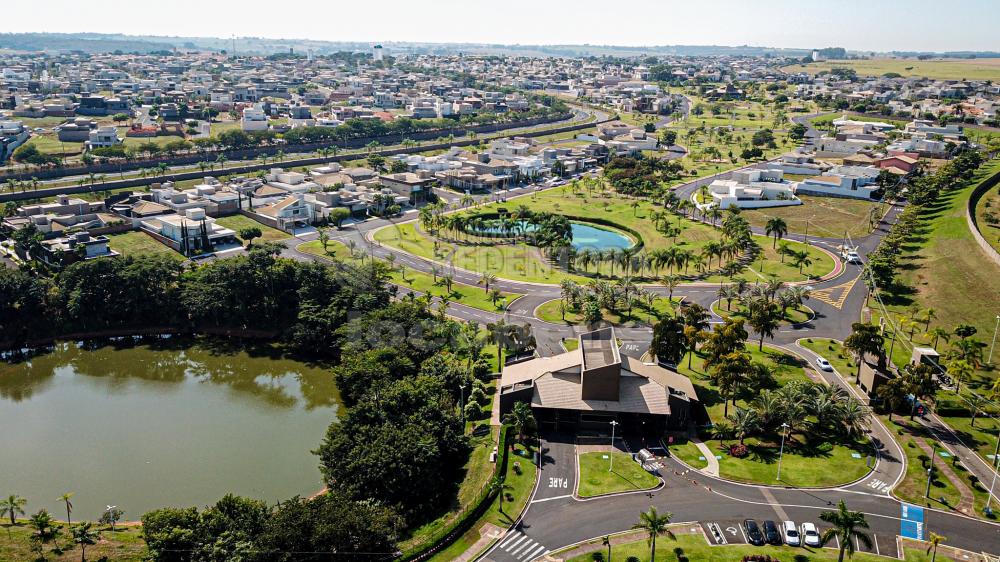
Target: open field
940 69
626 474
942 267
136 243
826 216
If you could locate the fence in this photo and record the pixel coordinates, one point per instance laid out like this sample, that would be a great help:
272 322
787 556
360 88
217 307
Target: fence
468 517
970 215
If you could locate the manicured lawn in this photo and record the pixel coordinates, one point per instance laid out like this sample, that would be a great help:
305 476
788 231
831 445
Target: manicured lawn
834 352
571 344
123 545
694 547
521 460
626 474
687 452
551 312
239 222
467 295
805 463
941 69
793 315
826 216
49 144
136 243
525 263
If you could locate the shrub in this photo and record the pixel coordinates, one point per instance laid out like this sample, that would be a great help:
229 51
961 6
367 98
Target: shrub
738 450
597 556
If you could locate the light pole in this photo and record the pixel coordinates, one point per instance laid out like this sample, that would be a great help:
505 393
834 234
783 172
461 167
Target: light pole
994 344
996 462
781 451
930 472
611 455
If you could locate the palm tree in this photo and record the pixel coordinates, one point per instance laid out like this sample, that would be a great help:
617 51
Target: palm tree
69 505
499 486
485 279
654 525
745 421
45 529
520 419
84 536
777 228
802 259
864 339
936 540
12 507
846 526
938 333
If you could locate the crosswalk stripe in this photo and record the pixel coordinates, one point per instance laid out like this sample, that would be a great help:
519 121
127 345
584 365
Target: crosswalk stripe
530 554
530 543
514 543
512 537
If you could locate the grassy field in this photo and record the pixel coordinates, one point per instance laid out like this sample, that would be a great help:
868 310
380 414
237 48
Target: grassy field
467 295
550 312
942 267
122 545
832 351
139 243
687 452
239 222
793 315
694 547
940 69
826 216
626 475
525 263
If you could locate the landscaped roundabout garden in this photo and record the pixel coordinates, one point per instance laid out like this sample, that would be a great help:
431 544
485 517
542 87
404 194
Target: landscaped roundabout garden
752 396
587 231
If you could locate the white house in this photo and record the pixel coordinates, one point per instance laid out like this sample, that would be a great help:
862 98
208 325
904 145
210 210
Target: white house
254 119
190 232
103 137
753 189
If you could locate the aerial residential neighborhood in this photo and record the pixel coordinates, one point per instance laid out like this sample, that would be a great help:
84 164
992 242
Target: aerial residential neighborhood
658 282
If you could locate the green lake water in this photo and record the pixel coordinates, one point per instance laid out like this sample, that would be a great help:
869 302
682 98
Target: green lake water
179 423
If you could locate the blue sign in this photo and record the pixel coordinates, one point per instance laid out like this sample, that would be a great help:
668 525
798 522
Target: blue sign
912 525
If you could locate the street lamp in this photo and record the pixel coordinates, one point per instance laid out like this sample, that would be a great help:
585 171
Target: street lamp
611 455
930 472
994 344
996 462
781 451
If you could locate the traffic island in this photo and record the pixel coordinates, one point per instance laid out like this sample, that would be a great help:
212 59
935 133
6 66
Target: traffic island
611 472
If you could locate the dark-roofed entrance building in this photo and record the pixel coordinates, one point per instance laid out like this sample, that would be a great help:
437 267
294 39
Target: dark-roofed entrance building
585 389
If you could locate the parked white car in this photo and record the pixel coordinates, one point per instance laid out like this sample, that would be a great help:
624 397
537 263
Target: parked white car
823 364
810 536
791 533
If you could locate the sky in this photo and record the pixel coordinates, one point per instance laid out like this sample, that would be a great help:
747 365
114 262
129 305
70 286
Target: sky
863 25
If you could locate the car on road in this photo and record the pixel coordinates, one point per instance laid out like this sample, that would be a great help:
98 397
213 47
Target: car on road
791 533
853 257
771 534
823 364
754 536
810 536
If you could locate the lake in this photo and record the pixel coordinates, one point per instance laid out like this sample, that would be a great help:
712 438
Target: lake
585 236
176 422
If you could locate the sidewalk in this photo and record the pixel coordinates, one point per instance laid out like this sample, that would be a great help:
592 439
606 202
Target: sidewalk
713 463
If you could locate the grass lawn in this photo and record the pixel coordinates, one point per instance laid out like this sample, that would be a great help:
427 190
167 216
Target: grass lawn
526 263
694 547
49 144
773 267
794 315
123 545
833 351
625 476
942 267
551 312
239 222
136 243
467 295
826 216
687 452
940 69
571 344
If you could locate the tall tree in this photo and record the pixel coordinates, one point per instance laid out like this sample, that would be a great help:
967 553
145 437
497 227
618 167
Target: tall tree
847 527
654 525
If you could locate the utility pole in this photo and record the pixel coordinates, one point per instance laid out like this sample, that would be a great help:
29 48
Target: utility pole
781 452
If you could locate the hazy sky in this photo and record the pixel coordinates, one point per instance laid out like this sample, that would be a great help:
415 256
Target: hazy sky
879 25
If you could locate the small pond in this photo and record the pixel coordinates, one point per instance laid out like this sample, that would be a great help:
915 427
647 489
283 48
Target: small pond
585 235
